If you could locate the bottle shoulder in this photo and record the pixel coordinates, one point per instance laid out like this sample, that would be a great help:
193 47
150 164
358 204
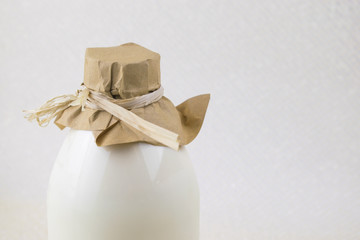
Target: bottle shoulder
79 150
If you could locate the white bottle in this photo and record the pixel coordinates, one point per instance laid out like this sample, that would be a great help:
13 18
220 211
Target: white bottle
133 191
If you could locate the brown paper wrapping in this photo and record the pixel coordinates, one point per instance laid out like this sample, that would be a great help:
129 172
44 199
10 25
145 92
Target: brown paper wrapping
127 71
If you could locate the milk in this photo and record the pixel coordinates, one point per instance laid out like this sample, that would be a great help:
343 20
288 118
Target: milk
133 191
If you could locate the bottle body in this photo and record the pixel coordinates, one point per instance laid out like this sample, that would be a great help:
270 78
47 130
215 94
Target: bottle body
133 191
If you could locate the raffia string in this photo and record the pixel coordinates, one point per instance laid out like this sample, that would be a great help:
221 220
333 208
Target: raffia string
117 107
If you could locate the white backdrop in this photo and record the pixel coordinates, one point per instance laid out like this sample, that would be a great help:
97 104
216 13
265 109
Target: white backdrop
278 156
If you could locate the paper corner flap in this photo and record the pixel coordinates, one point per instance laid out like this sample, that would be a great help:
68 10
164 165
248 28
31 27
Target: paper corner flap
192 114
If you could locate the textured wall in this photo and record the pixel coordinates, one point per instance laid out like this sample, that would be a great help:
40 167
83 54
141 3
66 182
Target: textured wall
279 154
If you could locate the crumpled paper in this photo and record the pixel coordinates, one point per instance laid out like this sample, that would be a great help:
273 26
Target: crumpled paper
127 71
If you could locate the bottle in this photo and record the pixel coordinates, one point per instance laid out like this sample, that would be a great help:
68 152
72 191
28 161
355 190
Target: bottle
133 191
120 174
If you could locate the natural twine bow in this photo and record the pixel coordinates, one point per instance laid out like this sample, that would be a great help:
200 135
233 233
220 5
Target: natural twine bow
117 107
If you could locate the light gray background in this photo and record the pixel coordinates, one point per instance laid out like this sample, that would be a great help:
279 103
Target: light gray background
278 156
